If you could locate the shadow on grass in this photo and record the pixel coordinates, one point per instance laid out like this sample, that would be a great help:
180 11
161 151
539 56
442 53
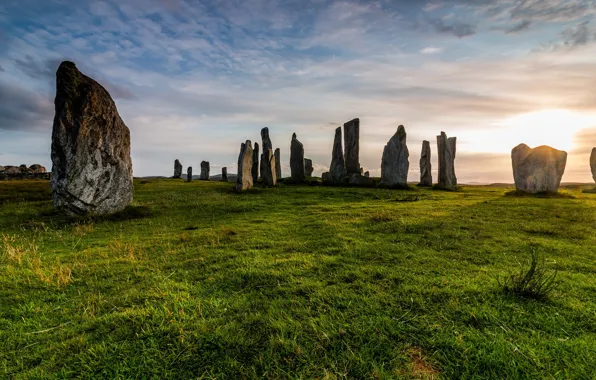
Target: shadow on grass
544 194
58 219
589 191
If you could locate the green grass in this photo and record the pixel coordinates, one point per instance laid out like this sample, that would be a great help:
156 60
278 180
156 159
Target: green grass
195 281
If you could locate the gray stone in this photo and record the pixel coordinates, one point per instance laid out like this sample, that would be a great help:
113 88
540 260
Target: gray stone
537 170
395 163
325 177
266 146
92 168
12 170
446 149
189 174
337 169
360 180
2 168
593 163
255 163
308 167
205 169
224 174
244 179
37 169
426 178
177 169
352 146
367 174
268 174
297 160
277 155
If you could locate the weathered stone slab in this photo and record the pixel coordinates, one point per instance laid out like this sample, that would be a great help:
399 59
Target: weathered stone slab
177 169
446 152
268 174
426 178
255 163
224 174
537 170
337 169
308 169
395 164
189 174
244 180
296 160
352 146
277 155
205 170
37 169
593 163
92 168
266 145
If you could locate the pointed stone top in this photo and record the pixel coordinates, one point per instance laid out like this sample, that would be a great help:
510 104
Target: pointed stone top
265 131
401 130
338 130
67 65
293 135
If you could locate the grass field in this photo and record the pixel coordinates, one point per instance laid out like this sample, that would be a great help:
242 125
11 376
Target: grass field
195 281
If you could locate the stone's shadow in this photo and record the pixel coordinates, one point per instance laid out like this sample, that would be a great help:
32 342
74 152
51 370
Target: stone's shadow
544 194
59 220
443 188
589 191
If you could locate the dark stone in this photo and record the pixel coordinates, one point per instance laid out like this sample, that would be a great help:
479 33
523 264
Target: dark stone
244 179
189 174
593 163
337 169
395 163
446 149
367 174
266 146
426 178
177 169
537 170
297 160
360 180
308 169
92 168
37 169
255 163
224 174
205 169
268 174
277 155
352 146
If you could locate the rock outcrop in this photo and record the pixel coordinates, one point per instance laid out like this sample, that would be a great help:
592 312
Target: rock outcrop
189 174
37 169
12 170
308 169
92 168
593 163
255 163
426 178
395 163
537 170
205 170
244 180
224 174
446 149
177 169
337 169
277 155
297 160
352 146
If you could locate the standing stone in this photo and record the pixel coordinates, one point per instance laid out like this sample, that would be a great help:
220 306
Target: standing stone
189 174
426 178
593 163
92 169
205 169
352 146
224 174
537 170
277 155
268 174
177 169
266 145
446 149
37 169
337 169
244 180
297 160
395 163
255 163
308 167
367 174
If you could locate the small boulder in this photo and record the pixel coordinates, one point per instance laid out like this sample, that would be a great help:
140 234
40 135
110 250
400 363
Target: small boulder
360 180
12 170
37 169
537 170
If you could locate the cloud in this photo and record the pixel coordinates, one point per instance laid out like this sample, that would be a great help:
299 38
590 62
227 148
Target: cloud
431 50
2 69
23 110
522 25
578 35
458 29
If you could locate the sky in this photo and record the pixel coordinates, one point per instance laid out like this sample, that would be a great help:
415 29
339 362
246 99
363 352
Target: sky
193 79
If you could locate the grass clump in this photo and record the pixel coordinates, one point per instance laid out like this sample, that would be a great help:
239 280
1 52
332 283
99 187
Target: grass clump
533 280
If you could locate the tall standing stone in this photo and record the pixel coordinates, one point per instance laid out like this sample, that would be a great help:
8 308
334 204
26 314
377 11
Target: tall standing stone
92 169
352 146
205 169
337 169
297 160
189 174
537 170
224 174
395 163
177 169
308 169
244 180
277 155
446 149
268 174
426 178
255 163
593 163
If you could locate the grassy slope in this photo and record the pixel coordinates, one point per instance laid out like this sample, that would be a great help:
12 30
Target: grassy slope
294 282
